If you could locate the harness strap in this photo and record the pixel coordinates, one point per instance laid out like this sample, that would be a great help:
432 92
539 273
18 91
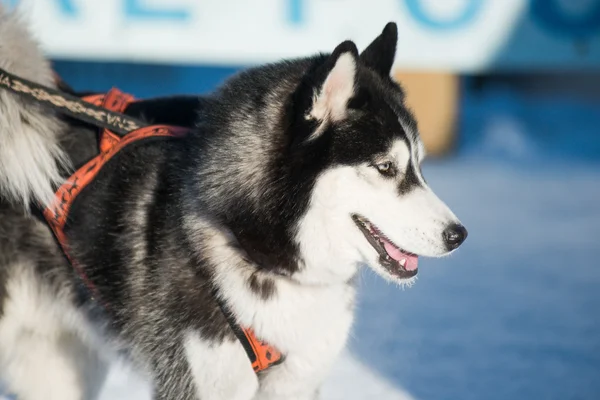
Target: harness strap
70 105
261 355
57 212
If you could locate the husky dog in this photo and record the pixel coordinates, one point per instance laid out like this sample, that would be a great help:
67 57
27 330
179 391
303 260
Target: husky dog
293 176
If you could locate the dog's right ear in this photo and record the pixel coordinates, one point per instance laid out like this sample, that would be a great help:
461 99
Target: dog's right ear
380 54
324 92
330 100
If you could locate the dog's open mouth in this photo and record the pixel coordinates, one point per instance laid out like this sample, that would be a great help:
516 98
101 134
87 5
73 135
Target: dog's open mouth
396 261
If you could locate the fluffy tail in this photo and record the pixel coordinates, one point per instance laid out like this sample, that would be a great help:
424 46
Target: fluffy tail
30 154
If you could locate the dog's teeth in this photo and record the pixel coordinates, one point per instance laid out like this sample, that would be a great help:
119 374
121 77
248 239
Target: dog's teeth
403 262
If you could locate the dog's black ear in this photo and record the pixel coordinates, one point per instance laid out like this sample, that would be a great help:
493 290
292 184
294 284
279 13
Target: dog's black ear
324 92
347 46
380 54
330 99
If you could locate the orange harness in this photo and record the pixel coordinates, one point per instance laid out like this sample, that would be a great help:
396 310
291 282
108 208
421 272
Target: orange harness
262 356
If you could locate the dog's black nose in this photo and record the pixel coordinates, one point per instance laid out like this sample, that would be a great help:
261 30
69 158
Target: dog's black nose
454 235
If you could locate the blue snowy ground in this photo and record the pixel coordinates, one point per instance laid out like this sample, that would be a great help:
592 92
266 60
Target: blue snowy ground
515 313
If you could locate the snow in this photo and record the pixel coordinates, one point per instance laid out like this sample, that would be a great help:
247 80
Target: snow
349 380
514 313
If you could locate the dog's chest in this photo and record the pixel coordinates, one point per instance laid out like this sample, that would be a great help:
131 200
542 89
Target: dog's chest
308 325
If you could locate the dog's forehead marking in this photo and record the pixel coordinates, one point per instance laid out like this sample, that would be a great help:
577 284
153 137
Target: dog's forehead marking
407 154
407 150
420 151
409 128
400 152
412 136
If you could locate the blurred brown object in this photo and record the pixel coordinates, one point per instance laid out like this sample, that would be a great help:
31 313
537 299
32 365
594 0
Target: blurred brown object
433 97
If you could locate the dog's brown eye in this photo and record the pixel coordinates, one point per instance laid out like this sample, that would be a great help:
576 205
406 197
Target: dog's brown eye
386 168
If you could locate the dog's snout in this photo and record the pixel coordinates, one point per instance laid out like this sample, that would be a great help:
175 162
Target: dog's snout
454 235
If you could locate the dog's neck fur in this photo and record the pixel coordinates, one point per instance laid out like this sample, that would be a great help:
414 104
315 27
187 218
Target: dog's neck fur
259 184
281 310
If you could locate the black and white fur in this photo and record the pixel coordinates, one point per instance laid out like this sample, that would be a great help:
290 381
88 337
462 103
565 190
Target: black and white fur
257 202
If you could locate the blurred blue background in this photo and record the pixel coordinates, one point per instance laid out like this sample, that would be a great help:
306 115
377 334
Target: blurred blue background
515 313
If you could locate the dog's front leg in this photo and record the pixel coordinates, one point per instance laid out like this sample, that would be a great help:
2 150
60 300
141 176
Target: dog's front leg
220 370
290 381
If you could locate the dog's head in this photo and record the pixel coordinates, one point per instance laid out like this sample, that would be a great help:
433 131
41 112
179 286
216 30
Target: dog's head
325 172
371 203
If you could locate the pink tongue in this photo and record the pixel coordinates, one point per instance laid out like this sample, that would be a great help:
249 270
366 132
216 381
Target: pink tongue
399 255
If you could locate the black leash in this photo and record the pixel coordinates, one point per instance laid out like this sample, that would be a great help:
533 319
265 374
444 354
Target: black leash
70 105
